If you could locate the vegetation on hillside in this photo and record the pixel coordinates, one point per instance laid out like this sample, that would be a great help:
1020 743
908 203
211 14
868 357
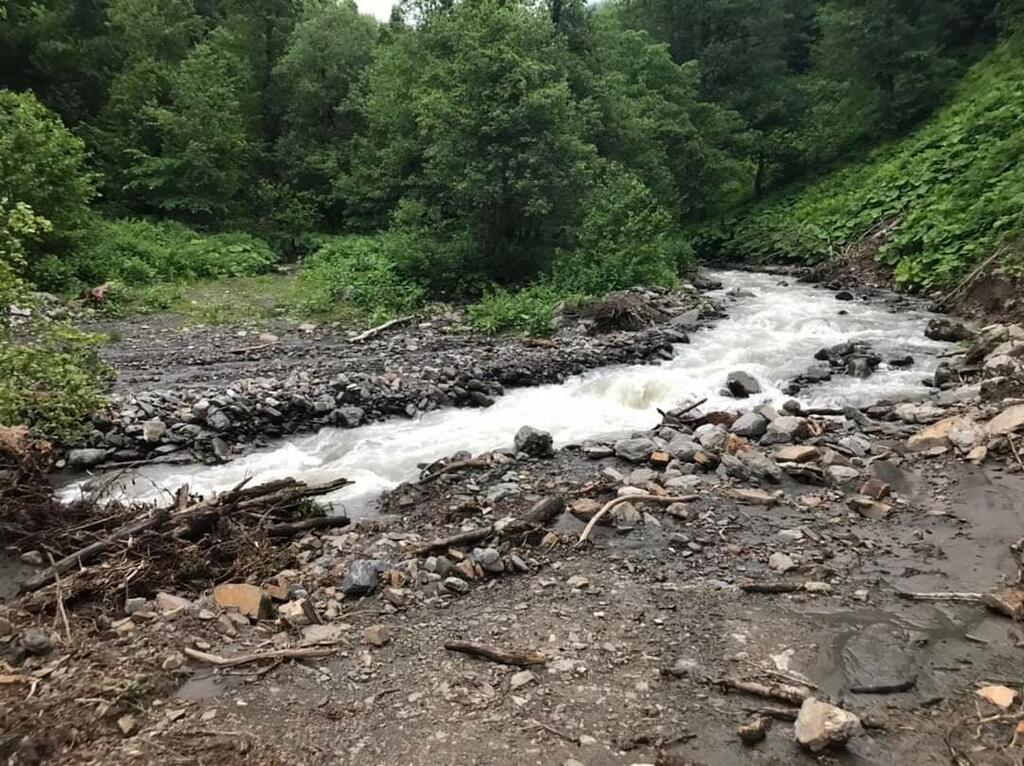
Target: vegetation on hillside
953 190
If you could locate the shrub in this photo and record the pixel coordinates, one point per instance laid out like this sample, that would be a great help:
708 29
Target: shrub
530 311
626 239
139 252
358 271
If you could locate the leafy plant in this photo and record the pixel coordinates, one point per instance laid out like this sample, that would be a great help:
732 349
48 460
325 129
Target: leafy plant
530 311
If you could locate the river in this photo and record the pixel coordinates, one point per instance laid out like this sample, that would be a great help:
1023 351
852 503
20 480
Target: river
772 332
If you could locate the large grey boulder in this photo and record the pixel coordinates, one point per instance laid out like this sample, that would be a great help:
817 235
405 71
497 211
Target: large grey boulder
683 448
742 384
635 450
533 442
362 577
786 430
751 425
86 457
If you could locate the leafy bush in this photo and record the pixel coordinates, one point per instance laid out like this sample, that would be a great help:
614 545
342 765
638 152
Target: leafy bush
359 271
530 311
140 252
956 186
50 375
42 165
626 239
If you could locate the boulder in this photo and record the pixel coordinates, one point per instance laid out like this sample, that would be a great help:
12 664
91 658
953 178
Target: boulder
786 429
751 425
683 448
938 434
249 600
859 367
711 437
742 384
1006 422
820 726
635 450
948 330
798 453
533 442
153 430
86 457
362 577
761 466
842 476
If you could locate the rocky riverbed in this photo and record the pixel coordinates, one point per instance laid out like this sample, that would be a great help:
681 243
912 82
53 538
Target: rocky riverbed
744 560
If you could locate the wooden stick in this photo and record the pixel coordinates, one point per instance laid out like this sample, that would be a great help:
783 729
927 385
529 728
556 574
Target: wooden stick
972 598
304 653
793 694
89 552
625 499
373 332
751 586
892 688
291 528
463 538
519 658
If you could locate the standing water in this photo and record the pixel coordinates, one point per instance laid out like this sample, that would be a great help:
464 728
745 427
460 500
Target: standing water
772 332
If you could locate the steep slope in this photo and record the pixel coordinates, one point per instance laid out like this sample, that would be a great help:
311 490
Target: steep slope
946 196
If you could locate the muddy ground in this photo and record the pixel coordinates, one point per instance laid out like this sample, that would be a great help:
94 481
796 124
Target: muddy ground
641 627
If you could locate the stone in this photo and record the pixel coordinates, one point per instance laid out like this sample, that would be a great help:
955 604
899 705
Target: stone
298 613
153 430
785 430
755 731
533 442
876 489
711 437
797 453
626 515
742 384
578 582
753 496
780 562
32 558
86 457
377 635
683 448
868 508
249 600
456 585
1000 696
521 679
6 628
127 725
637 450
751 425
349 417
947 330
978 455
489 559
761 466
842 476
36 641
820 726
362 577
173 661
167 603
1007 422
859 367
135 605
937 434
966 435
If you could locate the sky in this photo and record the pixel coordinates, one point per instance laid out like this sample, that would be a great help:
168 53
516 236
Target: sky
379 8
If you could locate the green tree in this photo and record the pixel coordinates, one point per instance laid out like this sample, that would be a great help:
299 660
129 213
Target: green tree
317 81
205 166
473 117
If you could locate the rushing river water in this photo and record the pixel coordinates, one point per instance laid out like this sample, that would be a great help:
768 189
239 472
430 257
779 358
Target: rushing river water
773 335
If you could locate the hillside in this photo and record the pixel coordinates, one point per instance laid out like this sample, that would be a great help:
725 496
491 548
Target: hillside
947 196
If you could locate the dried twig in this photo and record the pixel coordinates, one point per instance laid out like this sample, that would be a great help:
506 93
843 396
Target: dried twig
519 657
458 465
971 598
373 332
303 653
462 538
785 692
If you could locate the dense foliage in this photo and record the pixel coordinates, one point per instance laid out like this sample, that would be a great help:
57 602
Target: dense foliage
954 189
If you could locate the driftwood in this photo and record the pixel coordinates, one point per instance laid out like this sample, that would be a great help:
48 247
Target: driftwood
89 552
752 586
520 658
456 466
626 499
291 528
192 520
546 510
373 332
462 538
970 598
679 415
785 692
891 688
305 653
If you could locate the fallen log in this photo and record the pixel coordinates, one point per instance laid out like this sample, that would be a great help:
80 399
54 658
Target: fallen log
91 551
520 658
969 598
292 528
373 332
891 688
752 586
462 538
304 653
626 499
785 692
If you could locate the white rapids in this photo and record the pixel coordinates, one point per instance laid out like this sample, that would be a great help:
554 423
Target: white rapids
772 335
